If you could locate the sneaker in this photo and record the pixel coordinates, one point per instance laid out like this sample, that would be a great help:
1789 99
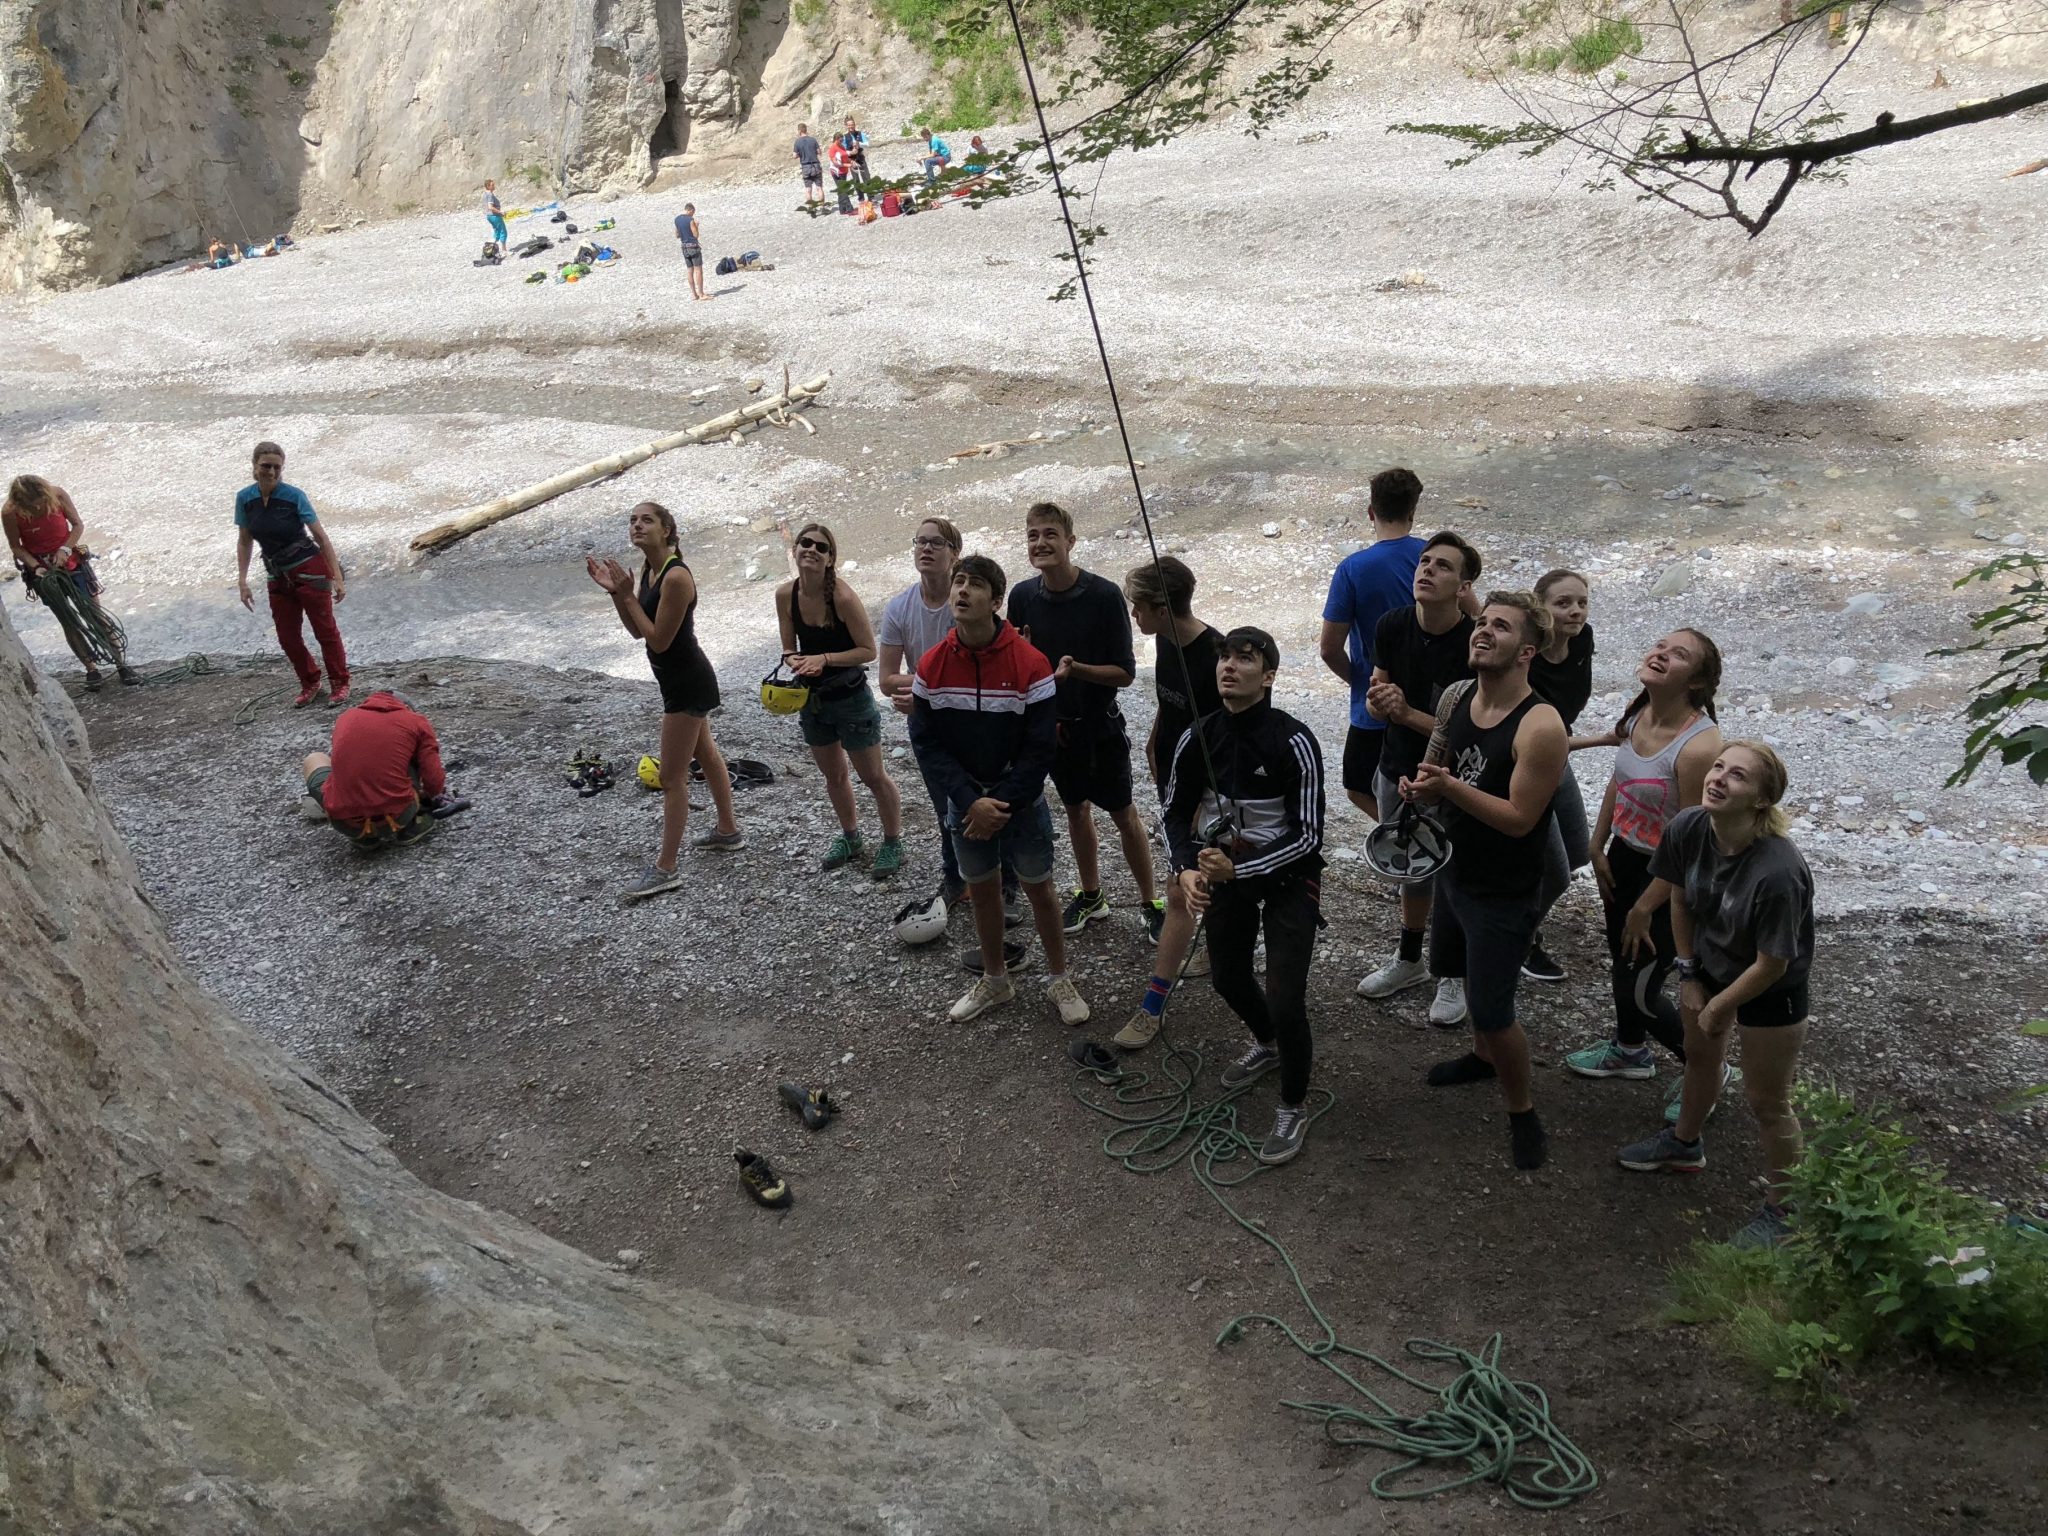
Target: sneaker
1155 919
338 696
1672 1105
1065 996
1198 962
1610 1058
720 842
1290 1129
954 892
1769 1227
1084 909
1664 1153
1254 1063
1397 975
1448 1009
986 993
1540 967
307 694
652 882
1015 909
1528 1142
94 681
1140 1032
130 678
844 850
1015 957
888 858
1468 1068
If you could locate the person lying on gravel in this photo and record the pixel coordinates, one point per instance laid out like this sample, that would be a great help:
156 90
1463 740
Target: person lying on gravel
383 778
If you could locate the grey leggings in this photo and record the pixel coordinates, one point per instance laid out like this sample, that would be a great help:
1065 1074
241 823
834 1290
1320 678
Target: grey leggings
1569 845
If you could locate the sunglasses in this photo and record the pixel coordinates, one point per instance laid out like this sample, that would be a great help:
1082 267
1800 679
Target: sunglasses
818 544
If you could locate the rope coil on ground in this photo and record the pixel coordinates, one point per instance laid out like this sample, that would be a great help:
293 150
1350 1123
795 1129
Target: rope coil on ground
86 625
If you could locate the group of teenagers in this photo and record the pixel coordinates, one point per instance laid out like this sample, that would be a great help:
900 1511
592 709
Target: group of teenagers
1464 707
845 154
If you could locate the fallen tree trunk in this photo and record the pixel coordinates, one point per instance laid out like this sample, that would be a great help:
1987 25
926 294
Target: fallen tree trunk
730 425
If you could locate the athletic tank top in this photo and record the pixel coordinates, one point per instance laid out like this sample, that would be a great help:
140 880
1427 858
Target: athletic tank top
1484 860
1646 788
683 649
44 536
822 639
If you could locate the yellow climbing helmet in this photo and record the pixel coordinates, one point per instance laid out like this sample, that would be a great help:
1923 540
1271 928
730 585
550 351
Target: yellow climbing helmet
650 772
783 692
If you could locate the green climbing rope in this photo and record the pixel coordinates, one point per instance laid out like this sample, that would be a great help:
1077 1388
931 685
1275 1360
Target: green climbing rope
87 625
1482 1426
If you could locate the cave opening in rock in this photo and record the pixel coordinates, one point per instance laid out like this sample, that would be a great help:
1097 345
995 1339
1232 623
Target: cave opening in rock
673 130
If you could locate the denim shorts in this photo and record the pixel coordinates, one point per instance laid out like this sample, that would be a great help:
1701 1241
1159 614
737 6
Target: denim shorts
849 720
1026 843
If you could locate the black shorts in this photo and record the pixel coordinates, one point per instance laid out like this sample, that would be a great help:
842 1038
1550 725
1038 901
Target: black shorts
693 258
1092 763
1784 1005
1362 758
1482 940
687 695
814 176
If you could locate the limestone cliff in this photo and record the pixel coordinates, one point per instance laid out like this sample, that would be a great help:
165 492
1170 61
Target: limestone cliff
228 1310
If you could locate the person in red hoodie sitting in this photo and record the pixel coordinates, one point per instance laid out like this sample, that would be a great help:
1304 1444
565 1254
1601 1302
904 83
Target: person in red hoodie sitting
383 782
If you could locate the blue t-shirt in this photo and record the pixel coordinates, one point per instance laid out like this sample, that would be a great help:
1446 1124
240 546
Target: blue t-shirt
684 231
279 524
938 147
1367 585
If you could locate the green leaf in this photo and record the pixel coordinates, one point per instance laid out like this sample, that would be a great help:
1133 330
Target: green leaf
2035 1027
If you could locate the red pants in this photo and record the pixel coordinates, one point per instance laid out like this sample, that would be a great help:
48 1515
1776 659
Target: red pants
303 593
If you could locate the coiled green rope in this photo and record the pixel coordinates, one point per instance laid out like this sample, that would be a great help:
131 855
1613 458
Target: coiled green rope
1482 1426
87 625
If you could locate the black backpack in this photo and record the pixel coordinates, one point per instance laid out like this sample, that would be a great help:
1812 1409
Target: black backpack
726 266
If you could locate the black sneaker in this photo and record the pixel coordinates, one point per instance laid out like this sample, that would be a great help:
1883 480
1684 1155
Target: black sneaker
1528 1143
1540 967
1468 1068
1015 956
1256 1062
1155 919
1084 909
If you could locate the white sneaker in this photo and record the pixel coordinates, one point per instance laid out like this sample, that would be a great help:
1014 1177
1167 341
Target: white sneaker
986 993
1063 995
1198 962
1449 1011
1397 975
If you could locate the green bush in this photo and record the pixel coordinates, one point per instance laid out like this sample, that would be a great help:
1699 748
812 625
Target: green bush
1587 52
1886 1262
976 54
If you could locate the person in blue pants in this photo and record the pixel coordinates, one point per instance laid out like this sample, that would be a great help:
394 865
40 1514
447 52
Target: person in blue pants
495 212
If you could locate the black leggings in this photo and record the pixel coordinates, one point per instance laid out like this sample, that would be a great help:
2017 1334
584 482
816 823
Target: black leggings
1277 1014
1641 1008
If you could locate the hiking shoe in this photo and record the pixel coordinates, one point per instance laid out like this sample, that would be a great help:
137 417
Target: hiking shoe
1664 1153
844 850
338 696
1672 1105
720 842
1155 918
1065 996
95 681
1540 967
1447 1010
1141 1030
1610 1058
986 993
1015 909
130 678
1468 1068
306 696
1254 1063
1015 956
1290 1129
1084 909
652 882
1528 1142
1198 960
888 858
1769 1227
764 1186
1397 975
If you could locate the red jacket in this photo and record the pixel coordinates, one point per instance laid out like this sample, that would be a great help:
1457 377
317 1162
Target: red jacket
982 721
386 757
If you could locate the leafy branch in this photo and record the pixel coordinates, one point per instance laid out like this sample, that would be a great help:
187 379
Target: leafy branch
2008 703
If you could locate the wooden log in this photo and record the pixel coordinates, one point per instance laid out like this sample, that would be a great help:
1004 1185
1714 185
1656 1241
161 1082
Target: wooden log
729 426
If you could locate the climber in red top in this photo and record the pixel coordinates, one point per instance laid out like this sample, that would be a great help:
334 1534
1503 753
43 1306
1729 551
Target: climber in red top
46 534
383 783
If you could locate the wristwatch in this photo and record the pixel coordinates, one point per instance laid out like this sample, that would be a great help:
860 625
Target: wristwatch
1688 969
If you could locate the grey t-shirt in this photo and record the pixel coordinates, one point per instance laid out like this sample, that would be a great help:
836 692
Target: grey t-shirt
1757 901
908 623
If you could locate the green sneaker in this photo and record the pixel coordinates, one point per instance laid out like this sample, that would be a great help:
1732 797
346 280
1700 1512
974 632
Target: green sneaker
888 858
844 850
1729 1076
1609 1059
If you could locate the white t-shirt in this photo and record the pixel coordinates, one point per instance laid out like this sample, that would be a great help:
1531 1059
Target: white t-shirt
907 622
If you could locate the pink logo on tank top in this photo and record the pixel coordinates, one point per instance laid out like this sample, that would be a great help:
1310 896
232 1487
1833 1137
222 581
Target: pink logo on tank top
1643 808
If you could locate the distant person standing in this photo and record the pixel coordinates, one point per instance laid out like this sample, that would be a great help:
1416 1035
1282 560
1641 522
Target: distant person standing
691 237
937 156
810 163
842 173
855 143
495 212
305 573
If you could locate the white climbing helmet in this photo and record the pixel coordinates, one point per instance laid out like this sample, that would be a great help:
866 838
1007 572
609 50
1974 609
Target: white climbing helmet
1410 847
922 922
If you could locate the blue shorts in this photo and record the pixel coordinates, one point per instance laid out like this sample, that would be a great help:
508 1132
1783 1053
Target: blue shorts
1026 843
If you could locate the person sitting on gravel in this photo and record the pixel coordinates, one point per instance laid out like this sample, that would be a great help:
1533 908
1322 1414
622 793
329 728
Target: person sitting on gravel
383 777
982 723
45 533
828 643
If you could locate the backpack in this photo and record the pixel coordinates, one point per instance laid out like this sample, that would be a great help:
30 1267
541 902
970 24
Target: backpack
726 266
909 203
892 204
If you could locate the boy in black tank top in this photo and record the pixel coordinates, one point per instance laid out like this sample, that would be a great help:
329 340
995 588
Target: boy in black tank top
1492 767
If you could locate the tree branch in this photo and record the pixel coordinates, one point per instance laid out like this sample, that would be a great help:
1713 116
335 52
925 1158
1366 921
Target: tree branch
1887 130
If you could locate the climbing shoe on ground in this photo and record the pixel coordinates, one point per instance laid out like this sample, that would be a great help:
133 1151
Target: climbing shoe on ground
1084 909
888 858
1397 975
339 697
1729 1077
1254 1063
715 841
1155 918
1086 1053
814 1104
1610 1058
1468 1068
1015 910
1540 967
1769 1227
1528 1142
653 881
1447 1010
764 1186
94 682
1065 996
306 696
1290 1129
130 678
1014 956
844 850
1141 1030
986 993
1664 1153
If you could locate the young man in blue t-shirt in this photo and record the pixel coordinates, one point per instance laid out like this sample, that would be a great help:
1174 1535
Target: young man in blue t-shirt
1367 585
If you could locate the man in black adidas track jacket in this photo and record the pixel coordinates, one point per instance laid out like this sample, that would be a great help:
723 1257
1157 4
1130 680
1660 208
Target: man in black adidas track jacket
1268 787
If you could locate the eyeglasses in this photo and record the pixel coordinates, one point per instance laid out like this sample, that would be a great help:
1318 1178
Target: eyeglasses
927 543
818 544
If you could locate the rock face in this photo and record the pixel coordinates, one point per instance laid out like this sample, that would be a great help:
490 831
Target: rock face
229 1310
131 133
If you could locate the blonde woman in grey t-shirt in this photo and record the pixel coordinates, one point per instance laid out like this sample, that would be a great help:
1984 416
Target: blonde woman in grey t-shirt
1741 901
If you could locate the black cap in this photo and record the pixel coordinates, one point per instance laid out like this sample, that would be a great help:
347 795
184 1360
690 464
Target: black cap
1249 637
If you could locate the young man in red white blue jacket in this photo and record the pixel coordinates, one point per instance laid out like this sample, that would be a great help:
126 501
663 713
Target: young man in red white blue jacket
982 723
